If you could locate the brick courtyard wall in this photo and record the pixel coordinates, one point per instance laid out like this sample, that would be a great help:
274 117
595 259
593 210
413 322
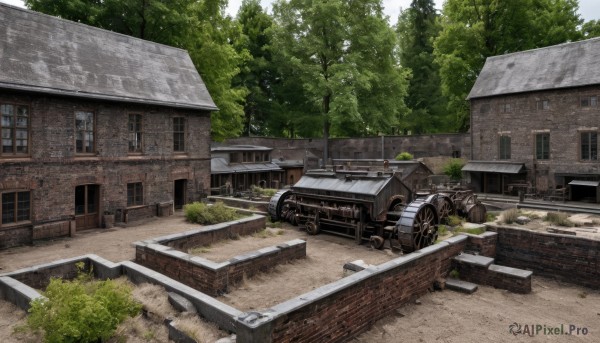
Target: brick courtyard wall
571 259
338 311
483 244
140 212
57 229
15 236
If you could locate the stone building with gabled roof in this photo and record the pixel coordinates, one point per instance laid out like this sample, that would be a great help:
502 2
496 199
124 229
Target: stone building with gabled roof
95 125
535 122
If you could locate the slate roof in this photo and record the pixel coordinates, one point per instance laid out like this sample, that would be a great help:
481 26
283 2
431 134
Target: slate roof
42 53
235 148
559 66
494 167
218 165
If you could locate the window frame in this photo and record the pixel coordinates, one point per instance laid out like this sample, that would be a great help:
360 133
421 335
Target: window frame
542 105
13 129
591 101
591 148
546 151
485 108
16 209
181 139
502 153
138 135
86 140
137 198
506 107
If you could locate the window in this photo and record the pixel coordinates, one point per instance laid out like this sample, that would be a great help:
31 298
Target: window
234 157
589 101
15 130
589 146
135 194
485 108
16 207
84 132
542 146
135 132
179 134
543 105
247 157
504 148
505 108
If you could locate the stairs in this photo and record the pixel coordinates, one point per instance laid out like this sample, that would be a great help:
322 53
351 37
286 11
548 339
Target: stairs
476 269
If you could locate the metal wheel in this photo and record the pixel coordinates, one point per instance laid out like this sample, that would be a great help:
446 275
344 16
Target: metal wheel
276 205
417 226
376 242
312 228
445 208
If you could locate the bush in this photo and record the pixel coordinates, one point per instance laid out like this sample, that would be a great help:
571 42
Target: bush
559 218
202 213
404 156
510 216
454 169
267 192
490 217
82 310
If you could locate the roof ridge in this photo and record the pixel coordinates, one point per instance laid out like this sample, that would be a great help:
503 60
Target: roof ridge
12 7
543 48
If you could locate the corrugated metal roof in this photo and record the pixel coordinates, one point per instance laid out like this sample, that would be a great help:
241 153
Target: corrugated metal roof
584 183
333 183
559 66
219 166
233 148
494 167
42 53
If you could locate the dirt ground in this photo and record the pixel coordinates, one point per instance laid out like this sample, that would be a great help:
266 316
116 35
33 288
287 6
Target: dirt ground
584 225
444 316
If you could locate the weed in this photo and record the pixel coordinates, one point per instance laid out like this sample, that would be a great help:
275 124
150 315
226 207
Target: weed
454 168
491 217
582 295
454 274
273 224
442 230
263 234
510 216
199 250
280 232
559 218
202 213
149 335
404 156
473 231
455 220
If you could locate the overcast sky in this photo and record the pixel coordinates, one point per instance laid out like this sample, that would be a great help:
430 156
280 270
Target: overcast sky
589 9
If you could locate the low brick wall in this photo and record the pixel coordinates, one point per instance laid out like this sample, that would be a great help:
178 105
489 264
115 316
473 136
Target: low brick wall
52 230
15 236
211 234
572 259
483 244
340 310
137 213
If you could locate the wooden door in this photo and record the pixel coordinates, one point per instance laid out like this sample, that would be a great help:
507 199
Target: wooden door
86 206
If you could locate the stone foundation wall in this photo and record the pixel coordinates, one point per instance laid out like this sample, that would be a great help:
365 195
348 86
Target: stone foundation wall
52 230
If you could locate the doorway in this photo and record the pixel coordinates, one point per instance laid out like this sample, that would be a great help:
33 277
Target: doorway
86 206
179 193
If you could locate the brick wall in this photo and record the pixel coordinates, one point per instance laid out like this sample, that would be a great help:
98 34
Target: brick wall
340 310
13 236
483 244
572 259
140 212
57 229
53 169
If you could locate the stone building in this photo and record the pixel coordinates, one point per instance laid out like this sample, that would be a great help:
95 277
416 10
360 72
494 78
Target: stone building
535 121
94 124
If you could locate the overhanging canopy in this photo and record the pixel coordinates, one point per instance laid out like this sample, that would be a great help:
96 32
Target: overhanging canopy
584 183
494 167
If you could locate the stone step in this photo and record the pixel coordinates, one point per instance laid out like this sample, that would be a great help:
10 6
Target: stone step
460 285
511 272
474 260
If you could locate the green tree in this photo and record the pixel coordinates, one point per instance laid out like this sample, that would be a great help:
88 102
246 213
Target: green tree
473 30
341 55
198 26
257 74
591 29
417 28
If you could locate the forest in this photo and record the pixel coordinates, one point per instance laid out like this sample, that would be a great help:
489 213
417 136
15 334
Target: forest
336 68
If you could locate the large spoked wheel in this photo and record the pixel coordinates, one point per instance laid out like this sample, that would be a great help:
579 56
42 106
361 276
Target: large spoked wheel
278 210
445 208
425 230
417 226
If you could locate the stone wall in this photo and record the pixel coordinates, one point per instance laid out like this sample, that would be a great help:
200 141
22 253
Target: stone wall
571 259
564 120
53 169
456 145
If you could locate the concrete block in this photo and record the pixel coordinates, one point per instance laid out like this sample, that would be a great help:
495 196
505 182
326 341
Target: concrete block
180 303
461 286
475 260
509 271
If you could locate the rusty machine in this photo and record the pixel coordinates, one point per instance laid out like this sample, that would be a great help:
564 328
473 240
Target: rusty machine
372 206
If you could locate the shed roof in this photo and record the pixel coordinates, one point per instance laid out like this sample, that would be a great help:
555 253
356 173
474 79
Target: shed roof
335 183
42 53
218 165
494 167
559 66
